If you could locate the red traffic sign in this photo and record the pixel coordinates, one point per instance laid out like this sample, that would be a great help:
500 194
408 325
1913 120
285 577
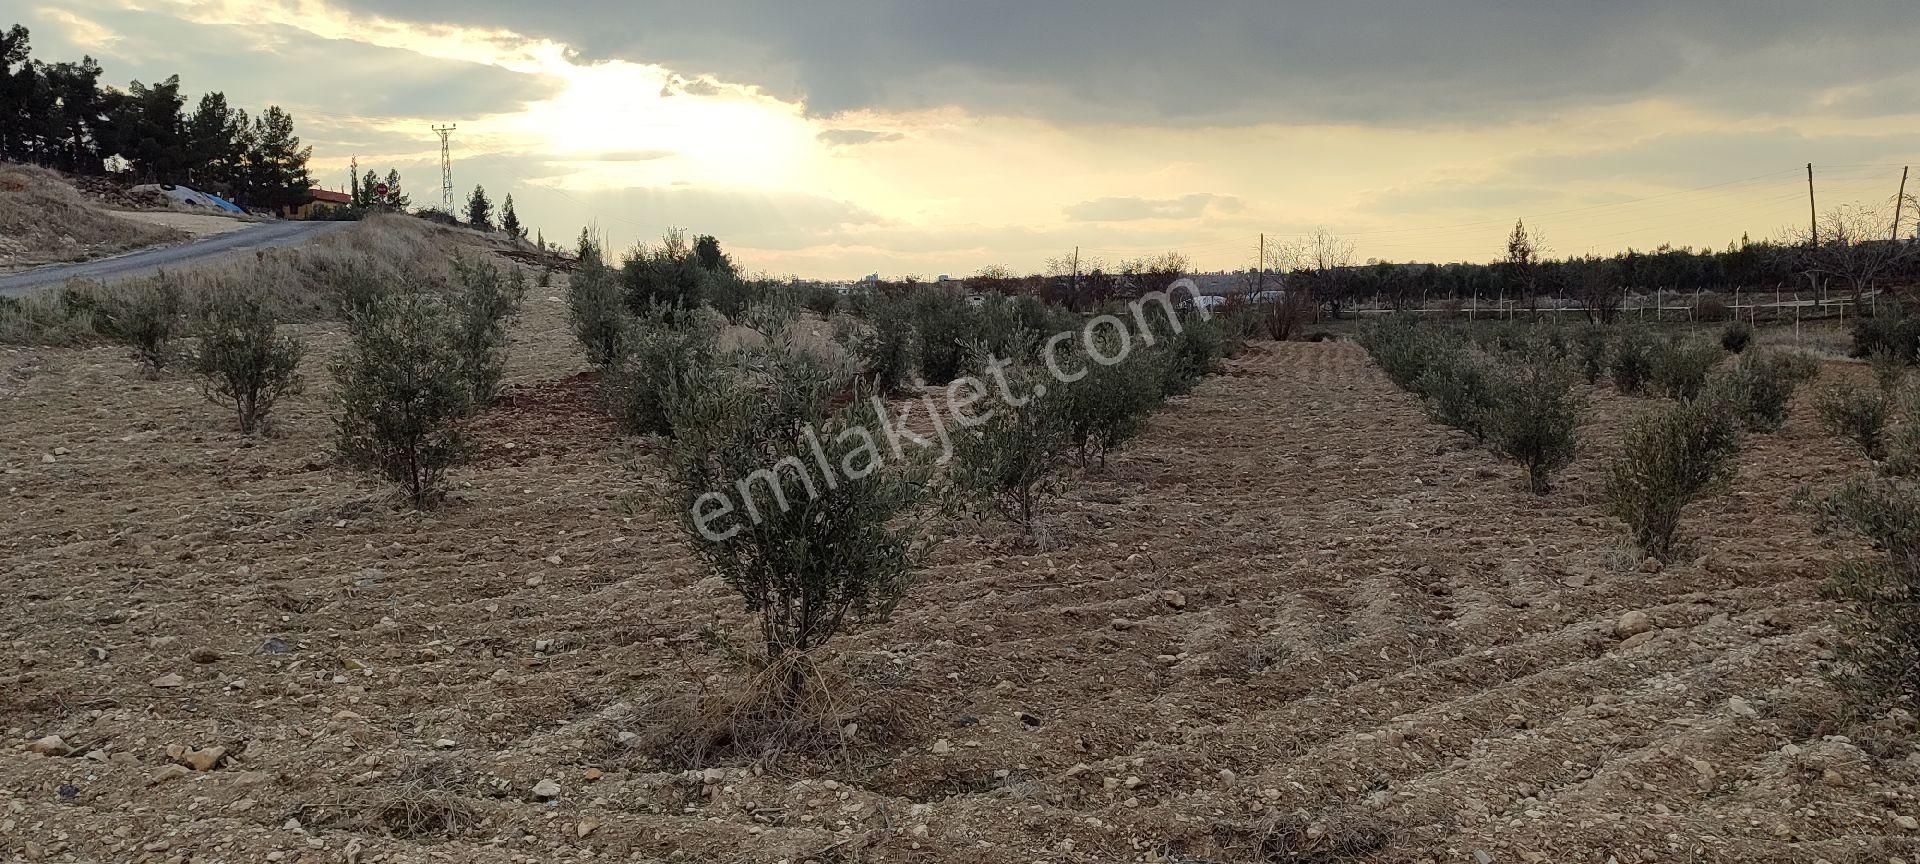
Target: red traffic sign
380 189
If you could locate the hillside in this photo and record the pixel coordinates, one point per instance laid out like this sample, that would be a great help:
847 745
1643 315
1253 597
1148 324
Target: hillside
44 220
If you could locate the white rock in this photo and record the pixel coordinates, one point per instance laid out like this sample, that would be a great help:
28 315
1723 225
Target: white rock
169 680
1632 624
52 745
548 788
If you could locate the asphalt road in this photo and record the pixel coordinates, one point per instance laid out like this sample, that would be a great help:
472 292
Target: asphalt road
266 235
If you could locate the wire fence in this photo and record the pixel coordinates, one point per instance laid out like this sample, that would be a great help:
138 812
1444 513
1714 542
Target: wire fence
1780 306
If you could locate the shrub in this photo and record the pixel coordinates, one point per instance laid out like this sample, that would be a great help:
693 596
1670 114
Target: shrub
402 393
1109 405
807 554
145 316
1632 362
1403 349
42 320
943 326
730 295
1012 460
242 360
885 349
479 308
1680 366
1671 456
355 289
1878 658
1759 387
1710 308
666 279
1278 319
1736 336
1192 353
660 367
1903 446
1534 419
1460 388
820 299
595 313
1858 414
1895 330
1888 368
1590 349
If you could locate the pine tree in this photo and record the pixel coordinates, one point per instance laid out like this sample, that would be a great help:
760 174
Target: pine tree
276 163
510 221
479 210
395 199
364 195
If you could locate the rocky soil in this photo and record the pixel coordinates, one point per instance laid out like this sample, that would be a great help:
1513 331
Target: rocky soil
1294 622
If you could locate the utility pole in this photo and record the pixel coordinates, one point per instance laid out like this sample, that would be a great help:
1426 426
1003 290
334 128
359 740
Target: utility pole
1813 215
1073 285
446 167
1262 284
1897 201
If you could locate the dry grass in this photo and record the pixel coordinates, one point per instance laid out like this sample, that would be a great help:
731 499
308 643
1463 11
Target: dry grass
44 220
300 279
759 720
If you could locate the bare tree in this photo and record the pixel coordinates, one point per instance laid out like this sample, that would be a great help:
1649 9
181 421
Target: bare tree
1156 273
1596 283
1324 258
1848 244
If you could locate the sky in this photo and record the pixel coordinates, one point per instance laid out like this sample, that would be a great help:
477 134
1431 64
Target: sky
835 138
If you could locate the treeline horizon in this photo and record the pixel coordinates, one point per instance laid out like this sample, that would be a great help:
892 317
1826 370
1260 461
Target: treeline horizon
1324 269
59 115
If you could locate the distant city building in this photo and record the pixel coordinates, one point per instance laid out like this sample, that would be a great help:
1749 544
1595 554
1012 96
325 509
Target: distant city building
945 278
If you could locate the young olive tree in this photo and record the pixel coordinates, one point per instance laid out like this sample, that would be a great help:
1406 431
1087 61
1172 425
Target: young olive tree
1011 460
1535 418
480 305
794 504
1109 404
242 360
597 312
1878 658
402 396
658 367
145 316
1671 456
1858 414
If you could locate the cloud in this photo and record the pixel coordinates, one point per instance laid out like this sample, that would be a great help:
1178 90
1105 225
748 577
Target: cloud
271 64
856 137
627 156
1130 209
1234 61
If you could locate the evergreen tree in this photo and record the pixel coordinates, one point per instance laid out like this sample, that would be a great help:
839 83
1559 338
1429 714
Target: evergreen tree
479 210
510 221
150 132
71 111
706 248
276 163
17 83
364 186
212 131
395 199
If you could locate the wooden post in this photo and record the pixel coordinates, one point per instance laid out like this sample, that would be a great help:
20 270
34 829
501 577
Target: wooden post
1813 215
1897 201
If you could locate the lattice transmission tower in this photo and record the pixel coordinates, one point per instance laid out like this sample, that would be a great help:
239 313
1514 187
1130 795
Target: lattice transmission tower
446 168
